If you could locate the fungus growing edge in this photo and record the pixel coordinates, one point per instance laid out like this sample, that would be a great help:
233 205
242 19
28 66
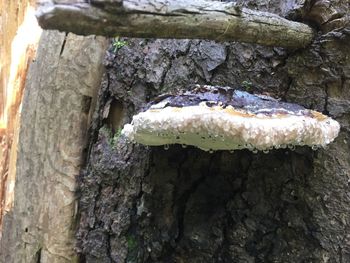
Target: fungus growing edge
221 118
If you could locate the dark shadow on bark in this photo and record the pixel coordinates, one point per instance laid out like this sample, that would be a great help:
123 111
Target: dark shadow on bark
141 204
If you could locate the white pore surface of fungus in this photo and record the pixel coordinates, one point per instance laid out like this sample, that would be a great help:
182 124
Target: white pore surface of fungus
217 128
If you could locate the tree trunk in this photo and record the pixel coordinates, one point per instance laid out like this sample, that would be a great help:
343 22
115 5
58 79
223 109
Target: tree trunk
148 204
55 116
16 51
200 19
140 204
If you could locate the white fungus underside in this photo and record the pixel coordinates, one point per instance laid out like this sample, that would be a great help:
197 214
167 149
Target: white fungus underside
214 128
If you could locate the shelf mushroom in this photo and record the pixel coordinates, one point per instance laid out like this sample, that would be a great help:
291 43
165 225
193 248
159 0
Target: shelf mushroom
222 118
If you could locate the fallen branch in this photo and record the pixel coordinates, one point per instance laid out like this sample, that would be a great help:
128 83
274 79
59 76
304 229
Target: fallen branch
180 19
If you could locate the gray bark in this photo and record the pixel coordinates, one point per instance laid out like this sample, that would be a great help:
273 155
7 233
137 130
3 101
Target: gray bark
175 19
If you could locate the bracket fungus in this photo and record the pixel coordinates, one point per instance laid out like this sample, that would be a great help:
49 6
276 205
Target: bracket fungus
222 118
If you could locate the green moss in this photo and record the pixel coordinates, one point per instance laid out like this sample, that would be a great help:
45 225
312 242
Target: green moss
112 138
133 251
247 85
116 137
132 243
118 44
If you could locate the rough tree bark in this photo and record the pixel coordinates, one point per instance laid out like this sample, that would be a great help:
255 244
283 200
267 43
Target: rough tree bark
140 204
200 19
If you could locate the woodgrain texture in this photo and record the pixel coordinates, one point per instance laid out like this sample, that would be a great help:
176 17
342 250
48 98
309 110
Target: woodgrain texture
56 106
199 19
